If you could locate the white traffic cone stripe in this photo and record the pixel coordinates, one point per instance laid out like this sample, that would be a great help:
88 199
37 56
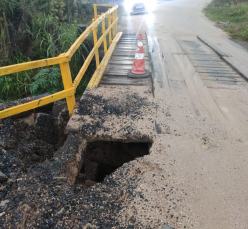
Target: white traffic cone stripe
140 43
139 56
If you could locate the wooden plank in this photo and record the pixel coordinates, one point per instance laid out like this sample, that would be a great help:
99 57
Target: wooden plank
90 56
99 71
124 81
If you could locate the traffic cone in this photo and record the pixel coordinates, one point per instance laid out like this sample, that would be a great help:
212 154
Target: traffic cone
138 70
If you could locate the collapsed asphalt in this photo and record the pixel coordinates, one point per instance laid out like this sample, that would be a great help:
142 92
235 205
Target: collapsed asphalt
38 195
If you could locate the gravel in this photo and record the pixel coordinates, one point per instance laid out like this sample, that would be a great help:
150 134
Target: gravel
30 143
90 103
44 199
3 177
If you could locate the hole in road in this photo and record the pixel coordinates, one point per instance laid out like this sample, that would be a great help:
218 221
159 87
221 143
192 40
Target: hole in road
102 158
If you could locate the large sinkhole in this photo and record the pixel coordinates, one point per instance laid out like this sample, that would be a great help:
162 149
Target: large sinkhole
102 158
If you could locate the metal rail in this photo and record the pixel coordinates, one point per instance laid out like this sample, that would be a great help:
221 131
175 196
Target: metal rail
64 59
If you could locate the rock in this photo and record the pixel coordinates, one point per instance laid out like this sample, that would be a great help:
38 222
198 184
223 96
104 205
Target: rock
168 130
25 207
4 202
61 211
166 226
90 183
10 181
12 175
35 157
222 23
3 177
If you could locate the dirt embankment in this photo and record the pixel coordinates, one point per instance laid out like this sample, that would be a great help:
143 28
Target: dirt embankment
27 142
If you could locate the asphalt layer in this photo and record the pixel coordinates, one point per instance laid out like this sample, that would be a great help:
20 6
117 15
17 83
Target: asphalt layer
42 198
24 146
98 108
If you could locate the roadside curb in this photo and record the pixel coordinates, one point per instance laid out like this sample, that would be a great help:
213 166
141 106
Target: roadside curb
224 57
221 54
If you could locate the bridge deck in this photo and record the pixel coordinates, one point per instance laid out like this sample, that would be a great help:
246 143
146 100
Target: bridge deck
122 61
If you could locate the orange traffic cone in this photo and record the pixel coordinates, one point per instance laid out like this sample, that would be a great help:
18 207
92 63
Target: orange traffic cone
138 70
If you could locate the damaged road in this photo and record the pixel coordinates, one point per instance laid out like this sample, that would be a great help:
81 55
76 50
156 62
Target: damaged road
105 130
170 153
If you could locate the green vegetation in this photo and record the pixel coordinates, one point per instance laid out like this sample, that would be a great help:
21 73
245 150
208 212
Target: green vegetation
38 29
233 14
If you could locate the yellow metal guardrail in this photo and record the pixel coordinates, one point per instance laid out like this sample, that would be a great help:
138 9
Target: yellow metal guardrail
64 59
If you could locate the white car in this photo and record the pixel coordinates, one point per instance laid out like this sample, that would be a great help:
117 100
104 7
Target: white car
140 6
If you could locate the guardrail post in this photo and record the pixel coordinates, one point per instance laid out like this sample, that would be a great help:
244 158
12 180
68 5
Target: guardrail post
109 24
113 16
67 81
95 10
105 40
116 26
96 52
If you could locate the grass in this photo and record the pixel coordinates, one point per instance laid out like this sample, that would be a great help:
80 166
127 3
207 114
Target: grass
39 35
46 38
45 45
236 18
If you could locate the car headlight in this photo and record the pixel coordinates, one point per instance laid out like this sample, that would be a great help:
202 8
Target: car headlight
128 5
150 5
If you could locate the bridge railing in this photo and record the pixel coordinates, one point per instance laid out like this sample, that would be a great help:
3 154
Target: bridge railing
63 60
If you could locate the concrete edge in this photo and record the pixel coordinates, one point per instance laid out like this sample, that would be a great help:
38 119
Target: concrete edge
152 65
218 52
224 57
155 54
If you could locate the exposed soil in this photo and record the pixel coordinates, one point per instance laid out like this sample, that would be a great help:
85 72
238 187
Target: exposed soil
25 143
